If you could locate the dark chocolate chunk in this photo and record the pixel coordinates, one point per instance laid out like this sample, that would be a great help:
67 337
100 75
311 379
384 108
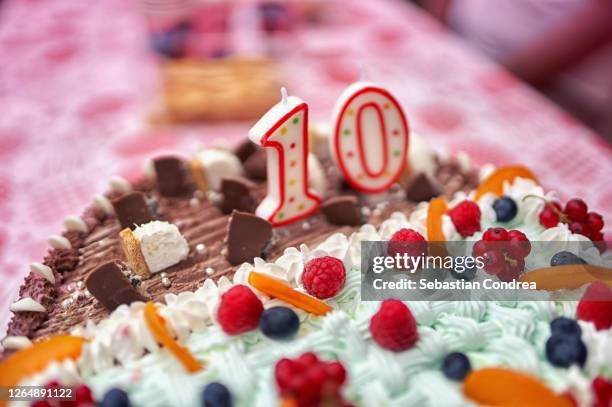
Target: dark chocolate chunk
342 210
255 166
420 188
247 237
171 176
132 210
111 287
237 195
245 149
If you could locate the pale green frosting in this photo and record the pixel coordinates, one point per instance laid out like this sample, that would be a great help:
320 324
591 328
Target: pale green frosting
508 333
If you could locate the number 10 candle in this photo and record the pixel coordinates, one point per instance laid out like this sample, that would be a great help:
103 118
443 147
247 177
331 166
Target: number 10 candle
283 132
370 138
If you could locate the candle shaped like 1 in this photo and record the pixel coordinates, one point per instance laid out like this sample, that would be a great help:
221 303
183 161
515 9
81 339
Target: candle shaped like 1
283 132
370 139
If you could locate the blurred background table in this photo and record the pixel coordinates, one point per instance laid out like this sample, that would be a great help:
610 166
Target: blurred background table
77 81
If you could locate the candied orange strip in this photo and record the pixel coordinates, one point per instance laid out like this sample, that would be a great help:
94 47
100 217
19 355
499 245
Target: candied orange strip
288 402
437 208
494 183
504 387
157 326
28 361
277 289
569 276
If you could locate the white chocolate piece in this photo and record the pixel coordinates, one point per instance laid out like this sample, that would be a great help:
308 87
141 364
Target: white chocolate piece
43 271
119 184
218 163
485 171
162 245
16 342
465 163
149 170
27 304
318 138
420 156
316 176
104 204
59 242
75 223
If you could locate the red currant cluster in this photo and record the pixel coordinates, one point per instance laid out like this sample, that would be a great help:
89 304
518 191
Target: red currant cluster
82 397
576 214
503 252
602 389
311 382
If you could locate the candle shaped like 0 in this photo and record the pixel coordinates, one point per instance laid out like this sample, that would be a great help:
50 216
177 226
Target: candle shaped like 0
283 132
370 139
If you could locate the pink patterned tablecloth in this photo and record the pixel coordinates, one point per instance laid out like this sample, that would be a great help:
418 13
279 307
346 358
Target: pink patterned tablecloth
77 79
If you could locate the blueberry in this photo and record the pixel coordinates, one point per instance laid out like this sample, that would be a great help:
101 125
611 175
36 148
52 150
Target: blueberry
279 323
564 350
115 398
565 326
216 395
505 209
467 275
566 257
456 366
172 42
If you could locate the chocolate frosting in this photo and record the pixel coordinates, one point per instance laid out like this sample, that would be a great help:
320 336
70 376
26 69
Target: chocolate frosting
203 223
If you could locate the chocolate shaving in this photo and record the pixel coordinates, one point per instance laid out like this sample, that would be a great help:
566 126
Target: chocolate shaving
171 176
342 210
421 188
111 287
132 210
245 149
247 237
255 166
236 193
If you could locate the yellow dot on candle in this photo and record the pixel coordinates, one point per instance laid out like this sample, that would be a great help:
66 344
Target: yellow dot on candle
291 182
292 163
300 207
386 106
350 112
283 131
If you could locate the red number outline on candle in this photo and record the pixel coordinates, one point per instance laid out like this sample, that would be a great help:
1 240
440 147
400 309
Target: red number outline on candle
337 137
265 142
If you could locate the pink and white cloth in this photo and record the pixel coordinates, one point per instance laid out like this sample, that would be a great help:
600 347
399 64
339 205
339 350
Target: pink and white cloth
77 80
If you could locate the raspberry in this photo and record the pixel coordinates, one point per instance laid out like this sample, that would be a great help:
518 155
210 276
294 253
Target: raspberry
393 327
324 277
239 310
596 306
576 209
407 241
595 221
519 246
602 390
466 218
495 235
310 381
549 218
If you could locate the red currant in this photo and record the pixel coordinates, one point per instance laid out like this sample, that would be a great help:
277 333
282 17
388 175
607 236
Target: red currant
576 209
495 235
580 228
595 221
479 249
512 272
83 395
494 262
548 217
519 245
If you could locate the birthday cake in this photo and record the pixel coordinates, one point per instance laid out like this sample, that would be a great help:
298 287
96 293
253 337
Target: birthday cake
235 278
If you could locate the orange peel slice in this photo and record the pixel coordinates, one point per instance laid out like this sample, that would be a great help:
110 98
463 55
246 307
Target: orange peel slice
494 183
505 387
437 208
569 276
29 361
278 289
157 326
